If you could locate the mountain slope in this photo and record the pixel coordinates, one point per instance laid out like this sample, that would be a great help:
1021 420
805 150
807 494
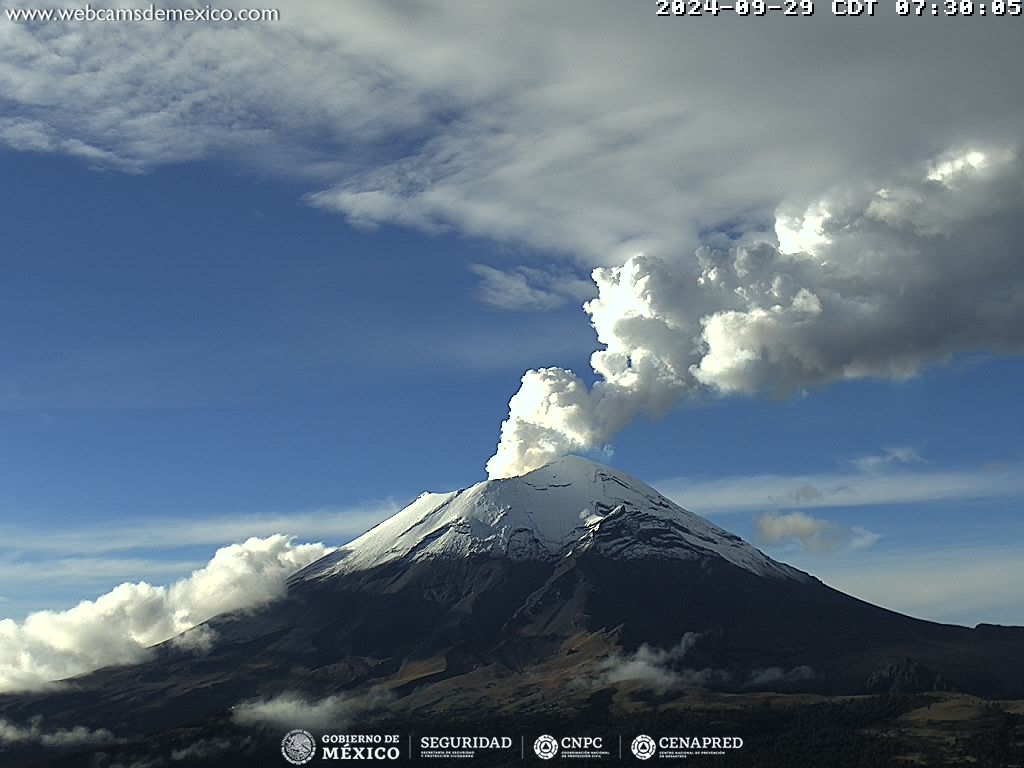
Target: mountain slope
571 585
570 505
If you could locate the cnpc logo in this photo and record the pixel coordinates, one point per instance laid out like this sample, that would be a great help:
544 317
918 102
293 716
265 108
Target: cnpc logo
547 746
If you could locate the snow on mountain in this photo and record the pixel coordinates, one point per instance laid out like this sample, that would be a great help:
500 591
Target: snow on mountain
568 505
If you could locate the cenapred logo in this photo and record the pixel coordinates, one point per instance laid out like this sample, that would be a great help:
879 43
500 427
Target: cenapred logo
643 747
298 746
546 747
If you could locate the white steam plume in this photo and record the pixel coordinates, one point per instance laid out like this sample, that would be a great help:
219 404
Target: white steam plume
118 627
871 282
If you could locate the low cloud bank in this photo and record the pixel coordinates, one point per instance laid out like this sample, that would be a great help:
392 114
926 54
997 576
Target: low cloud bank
207 748
120 626
35 733
662 670
293 710
649 665
766 678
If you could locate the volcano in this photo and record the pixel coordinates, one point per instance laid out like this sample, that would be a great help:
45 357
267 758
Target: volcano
572 584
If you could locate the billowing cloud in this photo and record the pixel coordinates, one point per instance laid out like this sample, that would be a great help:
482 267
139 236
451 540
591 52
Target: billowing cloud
895 276
84 559
35 733
119 627
293 710
811 533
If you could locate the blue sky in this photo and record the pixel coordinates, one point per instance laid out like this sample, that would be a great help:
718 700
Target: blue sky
200 346
232 307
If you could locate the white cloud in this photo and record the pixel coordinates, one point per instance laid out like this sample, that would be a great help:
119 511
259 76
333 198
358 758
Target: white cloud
811 533
755 493
951 167
197 640
34 733
127 535
87 570
654 667
529 288
934 274
546 154
494 121
47 568
119 626
893 253
661 670
293 710
895 455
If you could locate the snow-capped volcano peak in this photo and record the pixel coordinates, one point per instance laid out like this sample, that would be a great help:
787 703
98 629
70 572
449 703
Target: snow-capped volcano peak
568 505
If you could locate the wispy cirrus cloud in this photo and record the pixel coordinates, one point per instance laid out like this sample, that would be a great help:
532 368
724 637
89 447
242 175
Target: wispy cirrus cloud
530 289
901 454
333 524
754 493
979 582
70 570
